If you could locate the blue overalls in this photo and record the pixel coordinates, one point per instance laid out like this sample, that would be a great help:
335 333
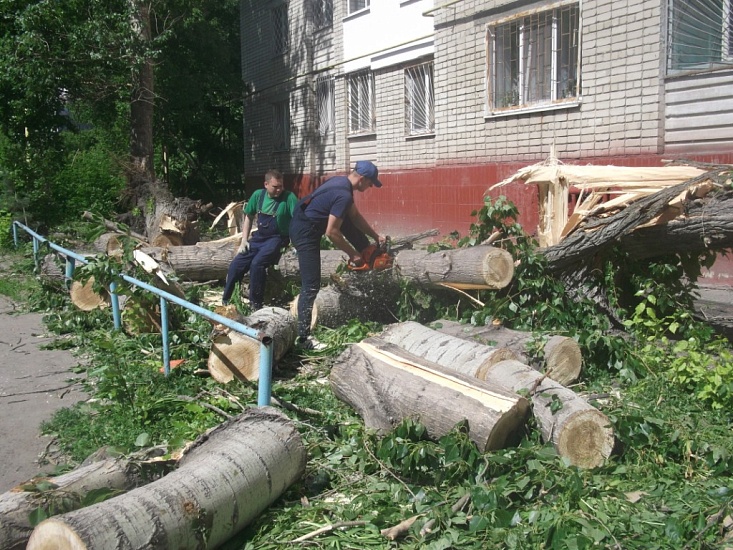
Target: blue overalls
265 249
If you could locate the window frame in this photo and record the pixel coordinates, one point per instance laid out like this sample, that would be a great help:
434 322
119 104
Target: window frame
281 126
425 96
280 29
355 87
713 58
322 14
326 84
350 10
561 48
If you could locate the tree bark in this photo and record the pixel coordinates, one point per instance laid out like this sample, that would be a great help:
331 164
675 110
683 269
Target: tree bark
693 224
233 473
562 360
199 262
17 504
477 267
578 431
463 356
387 385
234 355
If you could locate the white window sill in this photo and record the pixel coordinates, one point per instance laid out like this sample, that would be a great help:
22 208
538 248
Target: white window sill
356 14
365 135
534 109
413 137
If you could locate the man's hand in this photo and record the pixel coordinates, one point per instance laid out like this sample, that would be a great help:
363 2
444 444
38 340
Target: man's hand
244 247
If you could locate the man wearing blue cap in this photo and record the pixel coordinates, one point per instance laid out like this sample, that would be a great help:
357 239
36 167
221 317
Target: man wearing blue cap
330 211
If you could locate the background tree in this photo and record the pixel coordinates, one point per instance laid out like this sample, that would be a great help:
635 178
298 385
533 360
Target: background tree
78 82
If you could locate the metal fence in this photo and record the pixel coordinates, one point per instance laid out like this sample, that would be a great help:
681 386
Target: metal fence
264 390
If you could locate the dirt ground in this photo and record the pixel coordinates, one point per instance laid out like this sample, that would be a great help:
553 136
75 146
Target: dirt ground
34 383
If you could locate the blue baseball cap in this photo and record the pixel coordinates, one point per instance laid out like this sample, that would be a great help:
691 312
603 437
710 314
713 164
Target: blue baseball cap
367 169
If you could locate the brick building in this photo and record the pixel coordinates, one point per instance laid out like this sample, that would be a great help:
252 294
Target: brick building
449 97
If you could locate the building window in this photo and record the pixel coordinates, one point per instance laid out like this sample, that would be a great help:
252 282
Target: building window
357 5
322 13
280 29
326 106
281 126
419 111
361 103
534 59
700 34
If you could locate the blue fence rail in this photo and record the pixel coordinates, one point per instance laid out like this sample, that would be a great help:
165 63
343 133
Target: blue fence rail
264 389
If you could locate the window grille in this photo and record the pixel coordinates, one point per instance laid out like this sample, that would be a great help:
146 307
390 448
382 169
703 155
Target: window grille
361 103
358 5
419 104
326 105
700 34
280 30
322 13
533 59
281 126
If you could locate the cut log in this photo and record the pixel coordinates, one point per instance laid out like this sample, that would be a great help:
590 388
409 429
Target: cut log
562 358
476 267
469 358
16 505
387 385
84 297
364 296
234 355
199 262
234 473
579 432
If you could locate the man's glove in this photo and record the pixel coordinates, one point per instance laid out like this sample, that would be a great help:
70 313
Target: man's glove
244 247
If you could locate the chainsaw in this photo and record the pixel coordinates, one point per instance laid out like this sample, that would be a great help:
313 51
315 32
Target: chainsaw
375 258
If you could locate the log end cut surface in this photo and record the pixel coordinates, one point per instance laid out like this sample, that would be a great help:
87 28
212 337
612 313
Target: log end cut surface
234 355
587 440
498 268
563 359
56 535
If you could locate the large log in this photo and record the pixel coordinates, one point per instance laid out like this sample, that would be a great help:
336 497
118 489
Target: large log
234 355
476 267
17 505
579 432
387 385
234 473
198 262
562 359
460 355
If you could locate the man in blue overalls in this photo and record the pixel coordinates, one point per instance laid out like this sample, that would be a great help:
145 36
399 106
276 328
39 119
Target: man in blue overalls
330 211
273 206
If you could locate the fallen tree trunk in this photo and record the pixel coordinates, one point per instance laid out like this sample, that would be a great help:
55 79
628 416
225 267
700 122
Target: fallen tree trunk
234 355
578 431
68 490
229 477
469 358
703 226
562 358
387 385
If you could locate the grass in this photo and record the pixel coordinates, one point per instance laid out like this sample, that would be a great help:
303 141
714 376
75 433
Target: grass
669 485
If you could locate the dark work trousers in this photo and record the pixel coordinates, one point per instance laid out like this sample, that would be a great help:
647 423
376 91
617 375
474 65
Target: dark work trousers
305 235
265 249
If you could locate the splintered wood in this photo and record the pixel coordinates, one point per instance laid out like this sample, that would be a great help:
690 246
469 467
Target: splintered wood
602 190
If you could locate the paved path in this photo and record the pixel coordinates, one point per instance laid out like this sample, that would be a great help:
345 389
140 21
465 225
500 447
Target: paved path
34 383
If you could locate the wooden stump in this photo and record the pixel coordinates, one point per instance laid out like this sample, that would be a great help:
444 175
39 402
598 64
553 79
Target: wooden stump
562 357
579 432
234 473
387 385
469 358
234 355
84 297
